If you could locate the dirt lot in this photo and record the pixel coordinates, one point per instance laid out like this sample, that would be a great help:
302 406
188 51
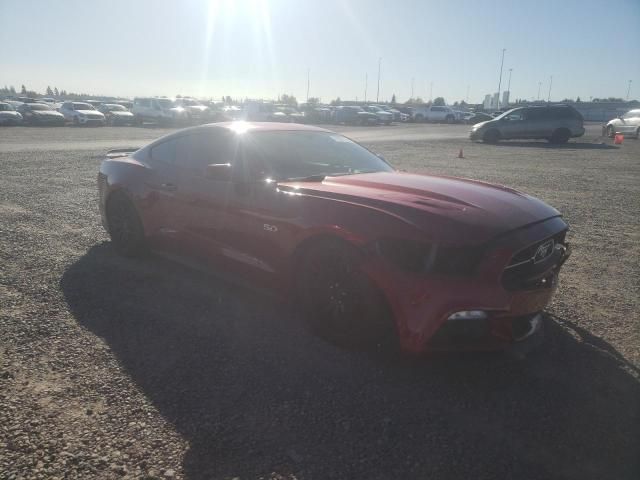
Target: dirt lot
113 368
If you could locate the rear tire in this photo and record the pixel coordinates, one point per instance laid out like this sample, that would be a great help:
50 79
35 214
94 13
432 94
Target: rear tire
560 136
492 136
419 118
125 227
340 302
450 119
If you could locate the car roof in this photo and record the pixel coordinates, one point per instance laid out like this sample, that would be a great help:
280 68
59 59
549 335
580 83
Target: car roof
244 126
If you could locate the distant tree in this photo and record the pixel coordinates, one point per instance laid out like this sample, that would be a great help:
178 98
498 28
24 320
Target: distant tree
287 99
313 101
12 89
23 90
463 103
439 102
337 101
55 91
455 104
393 99
228 100
578 100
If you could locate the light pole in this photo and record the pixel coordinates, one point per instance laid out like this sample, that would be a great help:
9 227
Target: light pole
378 92
509 83
431 92
539 86
550 85
308 82
412 81
500 81
628 90
366 78
467 97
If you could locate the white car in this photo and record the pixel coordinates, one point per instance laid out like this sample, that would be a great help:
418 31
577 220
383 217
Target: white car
158 110
627 124
383 116
197 112
80 113
8 115
435 113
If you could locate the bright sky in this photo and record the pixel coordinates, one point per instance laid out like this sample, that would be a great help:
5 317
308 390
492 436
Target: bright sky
262 48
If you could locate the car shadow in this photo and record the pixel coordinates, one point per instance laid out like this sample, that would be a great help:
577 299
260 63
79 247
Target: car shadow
565 146
253 393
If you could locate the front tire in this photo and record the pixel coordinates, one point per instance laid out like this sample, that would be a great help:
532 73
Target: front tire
341 303
125 227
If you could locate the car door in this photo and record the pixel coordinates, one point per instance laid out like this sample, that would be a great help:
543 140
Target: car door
513 125
210 210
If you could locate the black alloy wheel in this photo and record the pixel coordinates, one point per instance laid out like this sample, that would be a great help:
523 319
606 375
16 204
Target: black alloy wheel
341 303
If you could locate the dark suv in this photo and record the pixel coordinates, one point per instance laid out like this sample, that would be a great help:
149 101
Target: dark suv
556 123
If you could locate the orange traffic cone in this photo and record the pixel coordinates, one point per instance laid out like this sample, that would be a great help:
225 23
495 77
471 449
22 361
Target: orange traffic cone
460 154
618 138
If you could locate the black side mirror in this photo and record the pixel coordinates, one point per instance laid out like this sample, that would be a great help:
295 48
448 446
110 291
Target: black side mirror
220 172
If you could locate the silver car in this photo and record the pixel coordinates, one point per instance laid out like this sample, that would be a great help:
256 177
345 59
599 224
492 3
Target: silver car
556 123
627 124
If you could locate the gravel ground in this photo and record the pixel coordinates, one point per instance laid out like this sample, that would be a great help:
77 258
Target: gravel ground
113 368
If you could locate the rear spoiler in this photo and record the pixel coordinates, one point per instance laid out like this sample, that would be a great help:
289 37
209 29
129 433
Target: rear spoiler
121 152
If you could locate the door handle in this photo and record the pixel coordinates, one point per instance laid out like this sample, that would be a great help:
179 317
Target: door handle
169 187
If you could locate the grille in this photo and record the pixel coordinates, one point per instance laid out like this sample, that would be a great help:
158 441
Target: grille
526 271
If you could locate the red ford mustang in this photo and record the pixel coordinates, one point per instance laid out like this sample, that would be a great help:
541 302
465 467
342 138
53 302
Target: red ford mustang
377 257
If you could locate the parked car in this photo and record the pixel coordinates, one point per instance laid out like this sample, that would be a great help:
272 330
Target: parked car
158 110
408 111
556 123
196 111
40 114
628 124
94 103
8 115
435 113
477 118
383 116
116 114
81 113
352 115
376 257
125 103
261 112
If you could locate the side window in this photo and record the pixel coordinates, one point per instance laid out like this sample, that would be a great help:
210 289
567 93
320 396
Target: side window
195 152
535 114
165 152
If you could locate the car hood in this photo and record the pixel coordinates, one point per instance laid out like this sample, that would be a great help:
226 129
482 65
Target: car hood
9 113
51 113
121 114
459 211
196 108
89 112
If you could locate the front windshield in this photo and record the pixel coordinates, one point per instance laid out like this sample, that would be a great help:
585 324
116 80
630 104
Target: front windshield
38 106
502 115
82 106
115 108
165 103
632 114
4 107
294 155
